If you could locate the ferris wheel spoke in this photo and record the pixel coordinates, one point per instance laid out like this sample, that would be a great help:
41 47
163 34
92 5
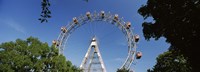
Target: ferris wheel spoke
113 19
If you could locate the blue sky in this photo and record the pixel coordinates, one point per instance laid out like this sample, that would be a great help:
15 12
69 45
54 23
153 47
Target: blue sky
19 19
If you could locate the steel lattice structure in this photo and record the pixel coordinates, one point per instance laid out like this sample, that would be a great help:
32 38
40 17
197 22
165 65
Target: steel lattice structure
114 19
93 57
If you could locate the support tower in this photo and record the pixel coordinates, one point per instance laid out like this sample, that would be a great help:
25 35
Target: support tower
93 62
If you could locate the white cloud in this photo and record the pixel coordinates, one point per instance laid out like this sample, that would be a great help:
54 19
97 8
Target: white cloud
119 59
14 25
17 27
123 43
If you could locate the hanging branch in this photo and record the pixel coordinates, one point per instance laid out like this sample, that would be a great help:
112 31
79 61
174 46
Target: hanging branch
45 14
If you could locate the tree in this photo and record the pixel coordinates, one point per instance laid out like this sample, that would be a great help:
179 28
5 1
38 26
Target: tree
177 21
32 55
122 70
45 14
171 61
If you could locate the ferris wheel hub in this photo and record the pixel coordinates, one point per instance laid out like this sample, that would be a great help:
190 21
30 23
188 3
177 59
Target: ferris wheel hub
113 19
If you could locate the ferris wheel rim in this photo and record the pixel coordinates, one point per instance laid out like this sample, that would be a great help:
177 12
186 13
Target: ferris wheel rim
102 16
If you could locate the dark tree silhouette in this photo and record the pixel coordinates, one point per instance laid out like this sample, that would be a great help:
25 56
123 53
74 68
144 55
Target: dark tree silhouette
122 70
176 20
45 14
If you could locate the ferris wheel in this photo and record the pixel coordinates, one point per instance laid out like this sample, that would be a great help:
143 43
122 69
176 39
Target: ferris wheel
114 19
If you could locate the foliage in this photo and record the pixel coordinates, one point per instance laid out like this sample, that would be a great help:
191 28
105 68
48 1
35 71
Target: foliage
86 0
171 61
122 70
45 11
177 21
32 55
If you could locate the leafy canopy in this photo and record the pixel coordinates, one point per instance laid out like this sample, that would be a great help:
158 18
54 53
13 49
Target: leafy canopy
32 55
171 61
176 20
122 70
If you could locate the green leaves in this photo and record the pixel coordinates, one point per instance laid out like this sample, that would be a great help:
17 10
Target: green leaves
171 61
31 54
177 21
45 14
122 70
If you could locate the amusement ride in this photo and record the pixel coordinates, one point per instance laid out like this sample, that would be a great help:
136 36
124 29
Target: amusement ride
93 56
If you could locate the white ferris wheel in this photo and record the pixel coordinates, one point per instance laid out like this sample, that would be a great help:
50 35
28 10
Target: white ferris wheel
113 19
